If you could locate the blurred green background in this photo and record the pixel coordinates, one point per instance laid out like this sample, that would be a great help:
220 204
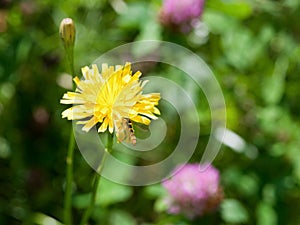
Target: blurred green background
251 46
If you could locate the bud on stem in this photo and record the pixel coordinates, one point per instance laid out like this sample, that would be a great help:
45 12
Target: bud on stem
67 34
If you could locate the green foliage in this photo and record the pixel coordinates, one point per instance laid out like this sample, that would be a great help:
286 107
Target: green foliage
266 215
240 9
234 212
108 193
121 217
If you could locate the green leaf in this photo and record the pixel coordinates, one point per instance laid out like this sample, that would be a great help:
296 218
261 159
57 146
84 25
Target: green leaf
293 4
134 16
81 201
110 192
265 214
278 149
268 116
231 176
269 194
232 211
248 185
241 47
42 219
160 205
5 149
118 217
240 9
155 191
217 22
150 30
273 88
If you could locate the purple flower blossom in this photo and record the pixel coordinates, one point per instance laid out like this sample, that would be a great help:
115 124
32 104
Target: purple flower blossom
193 192
181 13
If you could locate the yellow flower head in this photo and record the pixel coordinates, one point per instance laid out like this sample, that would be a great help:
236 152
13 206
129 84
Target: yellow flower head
112 98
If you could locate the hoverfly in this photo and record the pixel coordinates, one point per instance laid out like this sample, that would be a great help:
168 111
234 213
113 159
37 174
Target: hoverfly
125 132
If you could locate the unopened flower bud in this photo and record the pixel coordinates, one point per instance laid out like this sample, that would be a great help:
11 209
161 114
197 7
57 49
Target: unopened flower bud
67 32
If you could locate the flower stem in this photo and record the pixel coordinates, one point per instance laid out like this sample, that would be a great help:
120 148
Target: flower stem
70 56
69 182
97 178
67 34
70 156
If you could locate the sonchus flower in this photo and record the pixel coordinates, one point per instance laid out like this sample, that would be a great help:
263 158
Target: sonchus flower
113 98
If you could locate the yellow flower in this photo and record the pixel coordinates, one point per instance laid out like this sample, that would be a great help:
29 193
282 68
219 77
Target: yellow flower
112 98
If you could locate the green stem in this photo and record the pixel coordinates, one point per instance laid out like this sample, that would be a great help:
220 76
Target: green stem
69 182
70 156
97 178
70 56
